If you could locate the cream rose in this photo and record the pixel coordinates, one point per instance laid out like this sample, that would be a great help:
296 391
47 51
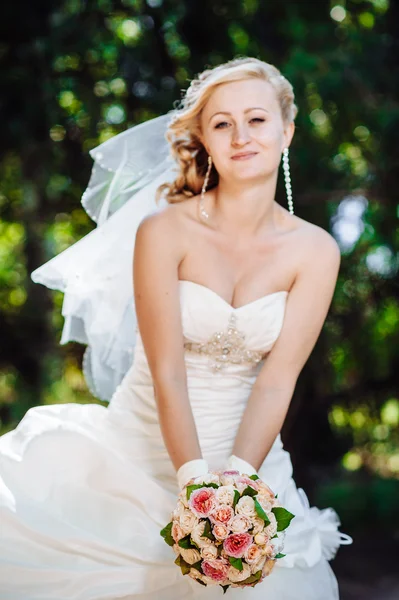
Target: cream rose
209 552
220 531
188 521
229 477
208 478
180 508
246 506
258 524
265 503
177 532
240 524
225 494
252 554
236 576
258 564
196 535
176 549
271 529
261 538
195 574
190 555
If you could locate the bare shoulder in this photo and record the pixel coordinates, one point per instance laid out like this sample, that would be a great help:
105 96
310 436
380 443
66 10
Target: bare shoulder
316 246
166 224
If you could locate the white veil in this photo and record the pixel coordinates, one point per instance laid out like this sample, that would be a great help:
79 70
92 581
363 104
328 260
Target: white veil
95 274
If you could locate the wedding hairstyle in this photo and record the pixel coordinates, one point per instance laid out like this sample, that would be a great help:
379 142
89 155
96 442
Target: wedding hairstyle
183 133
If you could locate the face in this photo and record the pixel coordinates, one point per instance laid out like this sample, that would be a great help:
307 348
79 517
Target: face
243 130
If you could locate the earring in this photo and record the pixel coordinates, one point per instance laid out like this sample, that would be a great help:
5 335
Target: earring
203 213
287 177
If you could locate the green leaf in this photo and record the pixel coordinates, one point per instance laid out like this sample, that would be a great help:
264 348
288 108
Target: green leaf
261 513
198 566
225 588
275 535
253 578
249 491
236 563
166 533
253 477
276 496
280 555
191 488
186 542
201 582
185 567
208 531
197 486
283 517
236 498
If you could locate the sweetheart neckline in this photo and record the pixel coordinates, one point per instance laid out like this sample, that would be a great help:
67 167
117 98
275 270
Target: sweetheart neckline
235 308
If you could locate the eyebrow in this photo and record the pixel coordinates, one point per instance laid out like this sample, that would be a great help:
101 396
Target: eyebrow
245 111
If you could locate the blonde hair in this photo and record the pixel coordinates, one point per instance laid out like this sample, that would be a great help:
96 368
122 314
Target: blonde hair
184 131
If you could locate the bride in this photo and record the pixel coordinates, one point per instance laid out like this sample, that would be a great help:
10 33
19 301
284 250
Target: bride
230 294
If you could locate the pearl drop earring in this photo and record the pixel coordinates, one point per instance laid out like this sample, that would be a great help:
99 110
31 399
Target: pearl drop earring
203 213
287 177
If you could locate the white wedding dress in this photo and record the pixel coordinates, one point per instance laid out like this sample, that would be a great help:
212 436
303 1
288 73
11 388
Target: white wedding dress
85 490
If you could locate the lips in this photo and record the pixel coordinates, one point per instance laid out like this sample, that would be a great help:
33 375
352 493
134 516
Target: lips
244 155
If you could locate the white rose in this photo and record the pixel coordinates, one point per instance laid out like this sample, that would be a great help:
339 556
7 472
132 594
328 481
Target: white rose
190 555
196 535
258 524
236 576
271 529
180 508
183 498
246 506
258 565
209 552
278 543
228 479
240 524
188 520
225 494
261 538
208 478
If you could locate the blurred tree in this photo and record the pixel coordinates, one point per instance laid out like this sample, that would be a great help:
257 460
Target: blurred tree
75 72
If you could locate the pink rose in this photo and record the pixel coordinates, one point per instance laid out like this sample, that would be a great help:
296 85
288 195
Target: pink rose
222 514
245 481
203 501
215 568
220 531
236 544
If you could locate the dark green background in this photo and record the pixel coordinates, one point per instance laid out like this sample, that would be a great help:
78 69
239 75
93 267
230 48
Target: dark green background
74 73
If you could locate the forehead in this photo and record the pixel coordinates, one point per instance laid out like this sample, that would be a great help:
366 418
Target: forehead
236 96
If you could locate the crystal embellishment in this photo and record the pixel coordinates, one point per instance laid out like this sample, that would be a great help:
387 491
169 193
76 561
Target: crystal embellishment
226 347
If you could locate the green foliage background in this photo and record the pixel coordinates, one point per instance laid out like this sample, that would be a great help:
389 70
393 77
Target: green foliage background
74 73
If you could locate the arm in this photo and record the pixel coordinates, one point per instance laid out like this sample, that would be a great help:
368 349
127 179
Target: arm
306 310
159 248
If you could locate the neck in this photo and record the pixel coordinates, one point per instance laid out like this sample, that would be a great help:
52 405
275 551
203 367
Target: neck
241 208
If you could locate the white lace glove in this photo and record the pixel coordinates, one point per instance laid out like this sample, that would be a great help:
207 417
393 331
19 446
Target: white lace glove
192 468
239 464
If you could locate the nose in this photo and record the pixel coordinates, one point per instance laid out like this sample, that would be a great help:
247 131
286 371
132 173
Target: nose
240 135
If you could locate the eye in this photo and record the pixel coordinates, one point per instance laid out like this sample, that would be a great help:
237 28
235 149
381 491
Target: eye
218 126
258 119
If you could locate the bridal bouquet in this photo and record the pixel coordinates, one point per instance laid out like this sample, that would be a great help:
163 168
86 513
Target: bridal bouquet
228 529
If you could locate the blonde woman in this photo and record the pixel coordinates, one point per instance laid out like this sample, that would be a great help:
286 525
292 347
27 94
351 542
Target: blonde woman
231 291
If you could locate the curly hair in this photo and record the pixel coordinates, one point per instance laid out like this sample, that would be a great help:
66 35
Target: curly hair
183 133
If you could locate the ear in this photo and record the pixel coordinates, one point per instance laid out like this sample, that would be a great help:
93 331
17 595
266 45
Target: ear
289 134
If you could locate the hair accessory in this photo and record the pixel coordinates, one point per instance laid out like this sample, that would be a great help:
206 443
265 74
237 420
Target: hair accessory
203 213
287 177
